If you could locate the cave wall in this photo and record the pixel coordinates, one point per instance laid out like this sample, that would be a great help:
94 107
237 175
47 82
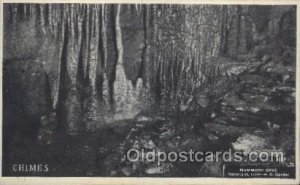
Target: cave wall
249 26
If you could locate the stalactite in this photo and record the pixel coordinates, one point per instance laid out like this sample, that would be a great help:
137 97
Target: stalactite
101 56
141 70
120 83
63 81
90 51
87 45
106 91
82 32
112 54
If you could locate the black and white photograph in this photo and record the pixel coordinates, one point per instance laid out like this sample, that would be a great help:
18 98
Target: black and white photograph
149 90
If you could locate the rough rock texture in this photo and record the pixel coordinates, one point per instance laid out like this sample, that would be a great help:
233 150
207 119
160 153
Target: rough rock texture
93 64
